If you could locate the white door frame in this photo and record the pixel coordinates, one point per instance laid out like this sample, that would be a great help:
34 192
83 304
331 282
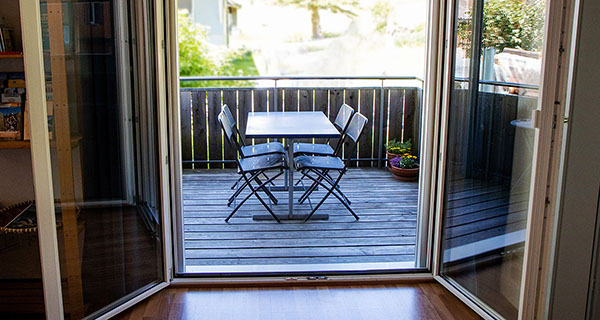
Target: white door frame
552 93
40 157
41 162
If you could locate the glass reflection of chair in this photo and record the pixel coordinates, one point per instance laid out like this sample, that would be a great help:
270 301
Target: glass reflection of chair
341 122
250 168
317 168
246 151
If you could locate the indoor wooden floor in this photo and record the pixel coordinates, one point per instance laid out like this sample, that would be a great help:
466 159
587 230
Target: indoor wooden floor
427 300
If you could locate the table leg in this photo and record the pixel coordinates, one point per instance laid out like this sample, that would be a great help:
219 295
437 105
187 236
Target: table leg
291 177
290 189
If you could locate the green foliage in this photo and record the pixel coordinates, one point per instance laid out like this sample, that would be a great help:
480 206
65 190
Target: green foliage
508 24
381 11
399 147
198 58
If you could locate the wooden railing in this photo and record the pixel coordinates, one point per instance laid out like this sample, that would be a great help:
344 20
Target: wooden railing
481 141
393 112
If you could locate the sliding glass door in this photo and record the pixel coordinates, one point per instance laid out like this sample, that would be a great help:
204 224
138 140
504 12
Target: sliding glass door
495 69
100 70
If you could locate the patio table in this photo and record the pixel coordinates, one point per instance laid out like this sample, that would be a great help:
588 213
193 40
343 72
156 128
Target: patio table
290 126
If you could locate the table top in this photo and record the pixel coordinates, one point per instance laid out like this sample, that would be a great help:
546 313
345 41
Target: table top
303 124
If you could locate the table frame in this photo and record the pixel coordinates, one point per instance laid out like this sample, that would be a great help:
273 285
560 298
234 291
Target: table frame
289 137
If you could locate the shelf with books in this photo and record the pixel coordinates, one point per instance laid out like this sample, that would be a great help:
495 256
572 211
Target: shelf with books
12 55
14 144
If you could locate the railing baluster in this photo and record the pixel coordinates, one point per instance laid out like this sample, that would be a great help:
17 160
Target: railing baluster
186 127
203 143
380 141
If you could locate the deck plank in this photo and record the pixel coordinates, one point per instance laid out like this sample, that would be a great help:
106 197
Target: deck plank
386 232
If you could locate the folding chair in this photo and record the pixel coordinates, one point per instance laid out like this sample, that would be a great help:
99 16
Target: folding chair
251 168
239 144
251 150
317 168
341 122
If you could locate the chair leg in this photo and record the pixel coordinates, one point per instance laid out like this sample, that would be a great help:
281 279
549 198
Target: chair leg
266 191
239 190
236 183
330 190
254 177
322 176
254 192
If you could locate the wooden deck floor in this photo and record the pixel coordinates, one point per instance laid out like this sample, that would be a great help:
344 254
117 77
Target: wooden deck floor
384 234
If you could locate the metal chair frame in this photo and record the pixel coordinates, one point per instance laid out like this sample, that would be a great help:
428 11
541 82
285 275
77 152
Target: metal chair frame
342 125
252 174
238 142
320 175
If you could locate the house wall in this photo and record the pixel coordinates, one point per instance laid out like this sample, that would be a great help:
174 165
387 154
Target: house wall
578 209
211 13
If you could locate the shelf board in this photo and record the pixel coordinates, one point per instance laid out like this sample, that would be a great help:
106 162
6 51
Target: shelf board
14 144
25 144
11 56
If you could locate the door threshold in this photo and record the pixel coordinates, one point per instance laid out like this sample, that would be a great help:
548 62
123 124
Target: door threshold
300 268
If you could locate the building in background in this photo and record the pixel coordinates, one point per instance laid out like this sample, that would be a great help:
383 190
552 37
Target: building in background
219 16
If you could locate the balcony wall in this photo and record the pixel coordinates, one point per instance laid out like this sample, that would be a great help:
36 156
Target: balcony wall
393 112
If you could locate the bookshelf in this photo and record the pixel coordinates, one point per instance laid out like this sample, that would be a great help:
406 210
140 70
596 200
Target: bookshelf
11 56
14 144
15 156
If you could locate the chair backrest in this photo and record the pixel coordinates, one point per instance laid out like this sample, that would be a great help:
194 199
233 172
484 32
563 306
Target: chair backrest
228 129
236 133
228 113
354 131
342 119
356 126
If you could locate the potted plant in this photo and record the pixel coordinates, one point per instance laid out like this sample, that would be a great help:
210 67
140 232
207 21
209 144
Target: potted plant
395 148
401 162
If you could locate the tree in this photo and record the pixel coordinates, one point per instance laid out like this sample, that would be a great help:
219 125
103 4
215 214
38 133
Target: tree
198 58
508 24
335 6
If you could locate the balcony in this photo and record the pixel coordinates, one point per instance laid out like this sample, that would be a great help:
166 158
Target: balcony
385 236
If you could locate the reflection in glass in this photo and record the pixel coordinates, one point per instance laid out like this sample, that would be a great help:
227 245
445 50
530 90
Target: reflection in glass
99 78
489 148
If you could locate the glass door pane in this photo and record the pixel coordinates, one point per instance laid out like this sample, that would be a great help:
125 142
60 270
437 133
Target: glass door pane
100 81
496 73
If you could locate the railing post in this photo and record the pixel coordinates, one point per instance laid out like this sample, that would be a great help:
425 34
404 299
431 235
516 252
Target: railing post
380 146
275 97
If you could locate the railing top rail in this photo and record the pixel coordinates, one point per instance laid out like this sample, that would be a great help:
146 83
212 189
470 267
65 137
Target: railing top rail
198 78
184 89
503 84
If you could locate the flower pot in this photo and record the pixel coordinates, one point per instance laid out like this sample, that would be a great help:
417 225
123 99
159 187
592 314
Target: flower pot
405 174
391 156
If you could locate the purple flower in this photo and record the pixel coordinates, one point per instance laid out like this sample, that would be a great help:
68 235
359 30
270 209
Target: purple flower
395 162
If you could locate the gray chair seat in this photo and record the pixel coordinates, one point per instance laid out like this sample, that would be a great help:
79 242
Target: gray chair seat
262 149
265 162
313 148
315 162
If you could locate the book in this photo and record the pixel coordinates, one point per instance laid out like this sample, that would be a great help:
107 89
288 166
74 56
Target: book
6 39
16 83
13 95
11 123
